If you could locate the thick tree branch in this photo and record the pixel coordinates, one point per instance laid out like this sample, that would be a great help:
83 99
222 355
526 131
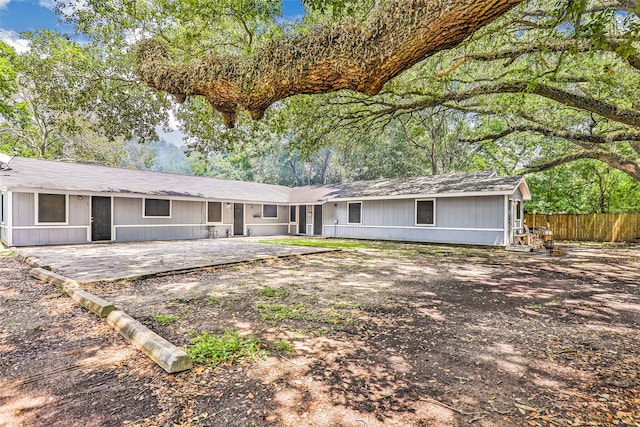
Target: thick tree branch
361 56
571 99
612 159
571 136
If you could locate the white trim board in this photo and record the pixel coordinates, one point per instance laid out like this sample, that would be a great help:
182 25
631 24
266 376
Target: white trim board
48 226
413 227
423 196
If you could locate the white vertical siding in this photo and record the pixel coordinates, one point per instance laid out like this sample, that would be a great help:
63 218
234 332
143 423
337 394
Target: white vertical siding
26 232
188 220
256 225
464 220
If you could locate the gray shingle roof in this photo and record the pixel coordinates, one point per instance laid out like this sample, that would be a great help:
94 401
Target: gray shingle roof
52 175
424 186
37 174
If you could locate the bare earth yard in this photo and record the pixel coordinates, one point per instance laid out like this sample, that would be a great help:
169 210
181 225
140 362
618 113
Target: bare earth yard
385 335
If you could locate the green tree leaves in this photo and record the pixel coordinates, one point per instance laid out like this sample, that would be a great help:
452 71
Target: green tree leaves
68 95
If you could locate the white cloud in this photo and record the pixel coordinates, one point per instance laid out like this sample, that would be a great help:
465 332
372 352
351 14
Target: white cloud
4 3
13 39
49 4
66 10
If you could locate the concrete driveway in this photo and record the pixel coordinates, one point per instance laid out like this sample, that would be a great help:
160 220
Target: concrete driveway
117 261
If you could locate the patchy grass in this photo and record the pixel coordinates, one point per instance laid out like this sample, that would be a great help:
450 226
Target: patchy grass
320 243
166 319
270 292
230 347
274 313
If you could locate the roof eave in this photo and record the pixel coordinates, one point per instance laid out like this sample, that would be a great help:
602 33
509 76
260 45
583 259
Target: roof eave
524 189
136 195
425 195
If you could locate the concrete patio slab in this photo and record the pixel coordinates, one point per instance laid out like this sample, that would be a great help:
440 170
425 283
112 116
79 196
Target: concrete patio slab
118 261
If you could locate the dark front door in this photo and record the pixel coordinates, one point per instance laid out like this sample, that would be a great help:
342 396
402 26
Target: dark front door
238 219
317 220
100 218
302 219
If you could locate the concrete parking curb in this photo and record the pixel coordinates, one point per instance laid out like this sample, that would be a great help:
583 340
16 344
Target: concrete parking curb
51 277
29 260
169 357
89 301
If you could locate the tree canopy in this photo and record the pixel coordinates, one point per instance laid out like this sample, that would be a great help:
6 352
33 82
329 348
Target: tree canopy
254 62
65 99
570 76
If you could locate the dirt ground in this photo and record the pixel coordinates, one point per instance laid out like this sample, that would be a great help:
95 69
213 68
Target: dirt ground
388 335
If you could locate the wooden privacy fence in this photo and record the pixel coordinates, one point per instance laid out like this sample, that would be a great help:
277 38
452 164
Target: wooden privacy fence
590 227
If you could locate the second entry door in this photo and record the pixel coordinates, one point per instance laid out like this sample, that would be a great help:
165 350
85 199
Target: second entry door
302 219
317 220
238 219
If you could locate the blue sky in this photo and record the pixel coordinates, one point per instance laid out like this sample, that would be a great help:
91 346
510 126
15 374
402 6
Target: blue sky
17 16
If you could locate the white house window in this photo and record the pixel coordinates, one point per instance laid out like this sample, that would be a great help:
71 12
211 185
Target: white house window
157 208
1 208
354 213
269 211
292 214
214 212
425 212
52 208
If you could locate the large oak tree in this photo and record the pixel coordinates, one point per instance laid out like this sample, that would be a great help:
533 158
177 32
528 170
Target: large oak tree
568 75
236 56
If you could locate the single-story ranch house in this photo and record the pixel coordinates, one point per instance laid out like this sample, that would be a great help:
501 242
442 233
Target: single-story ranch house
49 202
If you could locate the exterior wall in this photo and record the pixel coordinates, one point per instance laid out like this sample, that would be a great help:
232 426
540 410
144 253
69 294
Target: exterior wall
26 232
465 220
293 227
256 225
188 221
515 225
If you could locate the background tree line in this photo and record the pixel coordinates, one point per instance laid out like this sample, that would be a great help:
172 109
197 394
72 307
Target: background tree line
549 89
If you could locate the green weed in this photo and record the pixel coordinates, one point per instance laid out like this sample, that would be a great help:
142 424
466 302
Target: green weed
165 319
230 347
283 346
270 292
